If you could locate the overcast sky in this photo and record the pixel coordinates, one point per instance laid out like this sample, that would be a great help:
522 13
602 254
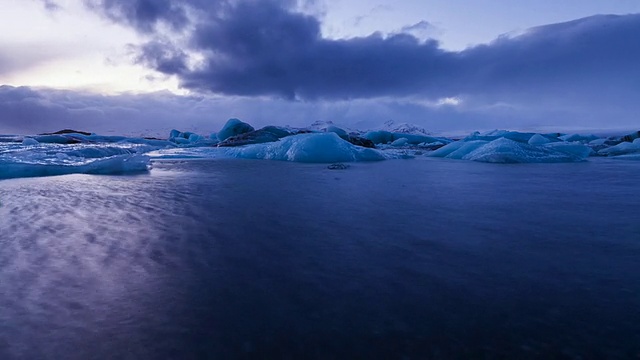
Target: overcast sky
144 66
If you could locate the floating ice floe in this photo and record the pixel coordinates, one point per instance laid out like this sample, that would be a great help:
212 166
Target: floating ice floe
114 165
54 159
624 148
70 151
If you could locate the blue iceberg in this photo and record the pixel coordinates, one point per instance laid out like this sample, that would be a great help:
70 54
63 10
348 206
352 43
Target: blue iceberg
505 150
233 127
17 160
306 148
624 148
309 148
69 151
113 165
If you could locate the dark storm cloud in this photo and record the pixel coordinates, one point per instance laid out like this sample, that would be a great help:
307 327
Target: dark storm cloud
143 15
162 56
268 48
586 55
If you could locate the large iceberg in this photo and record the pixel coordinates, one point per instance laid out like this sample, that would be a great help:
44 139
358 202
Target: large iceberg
505 150
310 148
307 148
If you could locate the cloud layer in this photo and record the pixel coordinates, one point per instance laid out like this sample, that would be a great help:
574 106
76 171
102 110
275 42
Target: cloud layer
256 48
267 62
25 110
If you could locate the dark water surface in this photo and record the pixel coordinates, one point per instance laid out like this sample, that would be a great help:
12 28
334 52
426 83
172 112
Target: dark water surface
262 259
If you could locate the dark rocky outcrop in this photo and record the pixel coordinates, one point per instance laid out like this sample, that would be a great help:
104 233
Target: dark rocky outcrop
615 140
57 139
630 137
67 131
264 135
359 141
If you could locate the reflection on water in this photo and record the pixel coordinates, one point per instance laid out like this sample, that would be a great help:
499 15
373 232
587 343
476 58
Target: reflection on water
423 258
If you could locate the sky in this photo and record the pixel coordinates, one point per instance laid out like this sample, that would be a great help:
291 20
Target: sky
451 66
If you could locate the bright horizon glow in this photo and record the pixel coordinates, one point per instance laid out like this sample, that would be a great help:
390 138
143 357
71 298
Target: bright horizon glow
85 52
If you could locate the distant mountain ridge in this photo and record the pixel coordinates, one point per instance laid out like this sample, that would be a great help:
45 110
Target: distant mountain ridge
405 128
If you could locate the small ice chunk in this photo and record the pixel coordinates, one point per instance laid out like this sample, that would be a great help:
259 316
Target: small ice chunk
538 139
598 142
180 140
338 166
400 142
28 141
174 133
